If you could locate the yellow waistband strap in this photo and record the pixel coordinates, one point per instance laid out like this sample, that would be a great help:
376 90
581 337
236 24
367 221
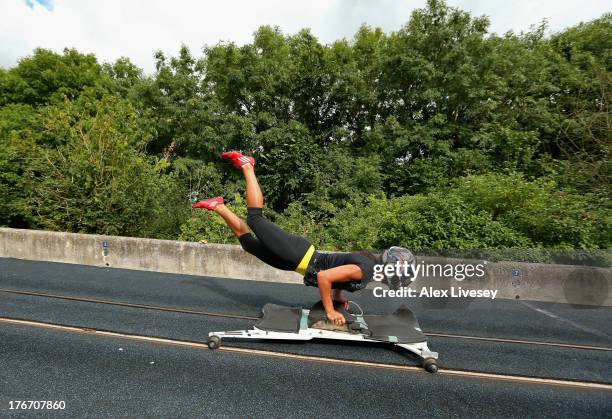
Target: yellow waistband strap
301 269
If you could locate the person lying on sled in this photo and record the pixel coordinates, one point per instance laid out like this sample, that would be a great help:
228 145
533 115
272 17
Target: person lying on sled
330 272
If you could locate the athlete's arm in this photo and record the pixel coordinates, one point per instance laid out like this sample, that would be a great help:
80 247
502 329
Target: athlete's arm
326 278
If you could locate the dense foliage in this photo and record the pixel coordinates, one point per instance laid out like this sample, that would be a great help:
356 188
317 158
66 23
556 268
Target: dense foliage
439 135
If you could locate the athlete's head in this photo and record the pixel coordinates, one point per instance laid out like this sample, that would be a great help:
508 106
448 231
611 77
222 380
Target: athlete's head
403 262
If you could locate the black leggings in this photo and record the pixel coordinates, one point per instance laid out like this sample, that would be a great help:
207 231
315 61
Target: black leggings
273 245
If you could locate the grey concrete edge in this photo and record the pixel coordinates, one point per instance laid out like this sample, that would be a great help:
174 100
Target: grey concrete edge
513 280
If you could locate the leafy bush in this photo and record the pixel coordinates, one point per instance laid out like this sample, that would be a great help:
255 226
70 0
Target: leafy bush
437 220
538 210
207 227
99 180
485 211
19 126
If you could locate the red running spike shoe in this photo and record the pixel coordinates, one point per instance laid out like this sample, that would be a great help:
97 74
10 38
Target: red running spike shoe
238 159
209 204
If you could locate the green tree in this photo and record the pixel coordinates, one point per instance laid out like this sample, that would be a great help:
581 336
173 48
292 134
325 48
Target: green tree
99 180
19 129
47 77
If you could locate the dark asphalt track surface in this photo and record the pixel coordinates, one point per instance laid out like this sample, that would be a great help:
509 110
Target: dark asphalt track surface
96 379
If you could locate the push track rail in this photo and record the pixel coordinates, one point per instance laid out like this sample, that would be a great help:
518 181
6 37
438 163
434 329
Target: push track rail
131 305
585 385
243 317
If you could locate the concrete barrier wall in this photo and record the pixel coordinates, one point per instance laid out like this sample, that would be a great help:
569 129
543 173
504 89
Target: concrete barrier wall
576 285
530 281
220 260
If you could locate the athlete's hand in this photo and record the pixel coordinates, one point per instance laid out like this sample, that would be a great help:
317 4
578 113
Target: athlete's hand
336 318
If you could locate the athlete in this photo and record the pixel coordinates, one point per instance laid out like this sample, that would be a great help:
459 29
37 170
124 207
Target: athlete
330 272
